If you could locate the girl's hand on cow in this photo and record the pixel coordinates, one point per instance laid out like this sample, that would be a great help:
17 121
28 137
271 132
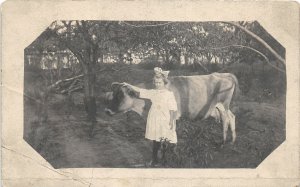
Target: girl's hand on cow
126 84
137 89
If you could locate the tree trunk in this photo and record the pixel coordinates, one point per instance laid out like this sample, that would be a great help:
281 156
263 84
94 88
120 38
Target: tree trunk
102 58
223 62
167 60
89 91
121 58
51 75
59 66
209 58
130 58
186 59
157 56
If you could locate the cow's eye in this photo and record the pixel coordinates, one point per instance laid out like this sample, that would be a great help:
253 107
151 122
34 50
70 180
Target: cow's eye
132 93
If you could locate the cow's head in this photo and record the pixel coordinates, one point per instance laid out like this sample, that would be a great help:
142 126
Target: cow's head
121 99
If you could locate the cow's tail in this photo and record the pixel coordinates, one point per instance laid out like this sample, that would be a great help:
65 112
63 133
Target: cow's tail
236 92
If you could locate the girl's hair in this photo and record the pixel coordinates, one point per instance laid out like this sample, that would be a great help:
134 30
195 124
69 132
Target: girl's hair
160 76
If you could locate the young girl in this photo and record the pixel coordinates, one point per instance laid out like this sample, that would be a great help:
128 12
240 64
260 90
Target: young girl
161 120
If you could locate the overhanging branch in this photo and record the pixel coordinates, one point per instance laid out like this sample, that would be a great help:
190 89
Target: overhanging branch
255 50
282 60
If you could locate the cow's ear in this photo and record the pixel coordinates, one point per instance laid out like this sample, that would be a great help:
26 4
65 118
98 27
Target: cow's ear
131 92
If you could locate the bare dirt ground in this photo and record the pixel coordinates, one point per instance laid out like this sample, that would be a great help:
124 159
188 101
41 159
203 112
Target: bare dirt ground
67 140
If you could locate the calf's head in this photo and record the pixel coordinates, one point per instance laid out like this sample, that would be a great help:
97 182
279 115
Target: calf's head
121 99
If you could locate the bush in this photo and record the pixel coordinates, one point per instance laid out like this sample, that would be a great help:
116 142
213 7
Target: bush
197 145
260 85
172 66
149 65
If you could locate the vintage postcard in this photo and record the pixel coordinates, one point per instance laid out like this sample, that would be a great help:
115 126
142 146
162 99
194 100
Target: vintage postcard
150 93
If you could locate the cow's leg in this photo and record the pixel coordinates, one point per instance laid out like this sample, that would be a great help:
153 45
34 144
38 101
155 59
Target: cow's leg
225 129
221 115
232 125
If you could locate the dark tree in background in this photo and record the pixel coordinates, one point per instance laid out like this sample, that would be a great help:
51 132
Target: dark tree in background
88 41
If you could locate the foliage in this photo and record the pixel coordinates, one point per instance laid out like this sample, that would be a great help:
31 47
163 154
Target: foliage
171 43
202 46
149 63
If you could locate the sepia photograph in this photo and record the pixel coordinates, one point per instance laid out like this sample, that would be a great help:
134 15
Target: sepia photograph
150 93
154 94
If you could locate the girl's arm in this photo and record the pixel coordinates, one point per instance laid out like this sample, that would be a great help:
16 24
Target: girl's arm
143 93
137 89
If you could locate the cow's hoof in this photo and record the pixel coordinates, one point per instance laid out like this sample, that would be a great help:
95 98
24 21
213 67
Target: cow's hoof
152 164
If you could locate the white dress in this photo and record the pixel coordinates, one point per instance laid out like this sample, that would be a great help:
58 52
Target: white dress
158 119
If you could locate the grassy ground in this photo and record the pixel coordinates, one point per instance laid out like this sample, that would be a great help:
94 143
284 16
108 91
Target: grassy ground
67 140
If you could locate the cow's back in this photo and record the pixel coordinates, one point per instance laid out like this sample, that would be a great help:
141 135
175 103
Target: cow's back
196 95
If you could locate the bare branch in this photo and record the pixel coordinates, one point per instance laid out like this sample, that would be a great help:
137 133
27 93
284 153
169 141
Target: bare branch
59 82
259 40
73 89
242 46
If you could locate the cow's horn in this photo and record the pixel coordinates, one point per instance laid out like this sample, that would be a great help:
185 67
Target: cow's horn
115 83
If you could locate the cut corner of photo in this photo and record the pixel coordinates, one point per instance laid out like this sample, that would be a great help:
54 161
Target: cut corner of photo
136 96
2 3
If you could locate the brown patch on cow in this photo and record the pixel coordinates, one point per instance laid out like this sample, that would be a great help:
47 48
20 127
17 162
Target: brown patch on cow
197 95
